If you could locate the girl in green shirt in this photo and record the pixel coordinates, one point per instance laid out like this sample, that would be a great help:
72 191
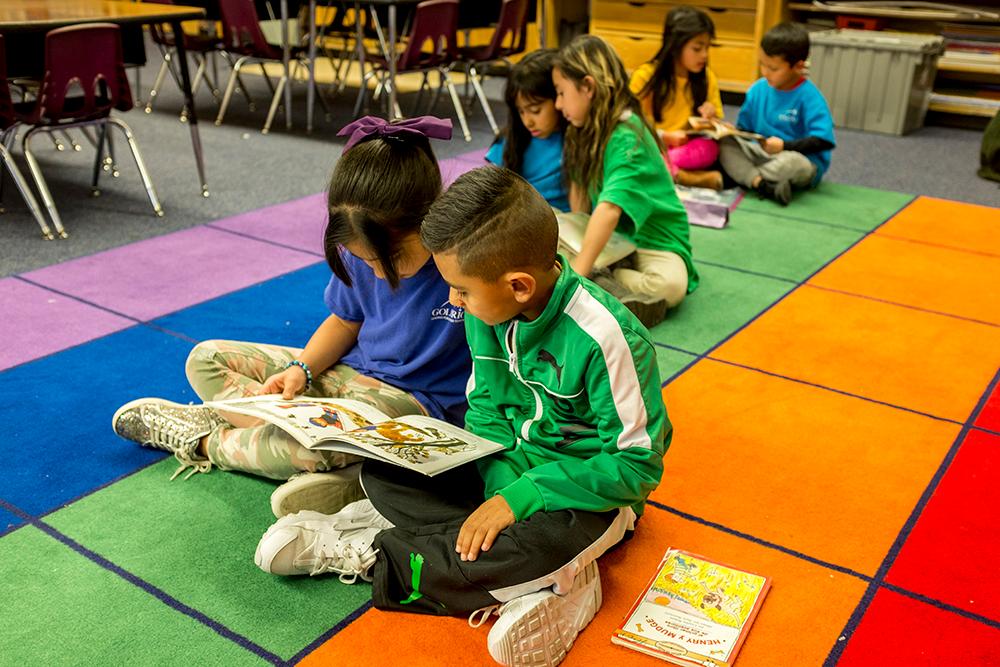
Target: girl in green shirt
613 164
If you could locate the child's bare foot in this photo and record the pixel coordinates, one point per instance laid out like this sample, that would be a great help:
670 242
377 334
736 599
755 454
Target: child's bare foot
700 179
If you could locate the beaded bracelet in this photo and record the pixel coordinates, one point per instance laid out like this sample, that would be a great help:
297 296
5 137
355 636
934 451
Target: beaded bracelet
305 369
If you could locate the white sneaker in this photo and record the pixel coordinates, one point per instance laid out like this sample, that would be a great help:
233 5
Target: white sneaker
324 492
540 628
313 543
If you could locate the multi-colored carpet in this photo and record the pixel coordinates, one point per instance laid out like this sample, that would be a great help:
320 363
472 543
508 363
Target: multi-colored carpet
833 384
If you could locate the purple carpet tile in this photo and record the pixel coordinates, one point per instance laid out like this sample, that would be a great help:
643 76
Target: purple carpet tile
452 168
476 157
38 322
157 276
299 223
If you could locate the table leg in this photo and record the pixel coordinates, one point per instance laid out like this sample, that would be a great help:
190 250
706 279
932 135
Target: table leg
192 112
542 24
311 87
285 61
391 57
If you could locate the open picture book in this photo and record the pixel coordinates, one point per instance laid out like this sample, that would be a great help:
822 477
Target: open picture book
713 128
693 612
572 227
416 442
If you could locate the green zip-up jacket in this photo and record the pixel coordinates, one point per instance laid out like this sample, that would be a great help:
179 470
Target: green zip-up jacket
574 395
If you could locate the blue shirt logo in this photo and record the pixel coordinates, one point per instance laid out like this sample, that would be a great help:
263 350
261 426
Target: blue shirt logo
448 312
790 116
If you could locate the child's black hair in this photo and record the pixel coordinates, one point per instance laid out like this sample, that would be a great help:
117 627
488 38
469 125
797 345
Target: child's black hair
787 40
532 79
495 222
683 23
379 192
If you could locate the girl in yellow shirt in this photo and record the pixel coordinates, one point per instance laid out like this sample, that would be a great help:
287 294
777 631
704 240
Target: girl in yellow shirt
676 85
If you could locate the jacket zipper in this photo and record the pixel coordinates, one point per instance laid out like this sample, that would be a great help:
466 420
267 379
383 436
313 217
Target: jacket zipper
512 360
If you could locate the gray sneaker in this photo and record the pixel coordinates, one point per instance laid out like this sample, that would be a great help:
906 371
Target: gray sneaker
172 427
324 492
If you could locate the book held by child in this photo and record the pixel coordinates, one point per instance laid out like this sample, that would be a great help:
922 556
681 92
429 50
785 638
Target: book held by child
717 129
416 442
693 612
573 226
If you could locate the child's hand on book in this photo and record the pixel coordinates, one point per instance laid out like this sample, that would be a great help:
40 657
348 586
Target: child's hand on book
480 530
289 383
673 138
708 110
774 145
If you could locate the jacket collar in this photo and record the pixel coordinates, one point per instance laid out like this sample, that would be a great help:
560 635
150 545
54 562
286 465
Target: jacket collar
529 333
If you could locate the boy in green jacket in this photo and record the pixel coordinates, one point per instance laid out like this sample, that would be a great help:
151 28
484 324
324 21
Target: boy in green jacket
566 378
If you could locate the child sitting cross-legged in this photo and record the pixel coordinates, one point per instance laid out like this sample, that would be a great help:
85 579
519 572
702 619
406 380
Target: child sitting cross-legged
617 175
384 341
791 113
566 379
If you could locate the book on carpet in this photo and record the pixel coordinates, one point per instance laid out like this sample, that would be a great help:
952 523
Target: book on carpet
693 612
706 207
717 129
572 227
416 442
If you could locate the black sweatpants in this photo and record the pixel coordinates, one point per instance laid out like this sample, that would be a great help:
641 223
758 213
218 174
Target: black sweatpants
418 570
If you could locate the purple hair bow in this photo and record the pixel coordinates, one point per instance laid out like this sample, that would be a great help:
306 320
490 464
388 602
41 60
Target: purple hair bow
370 127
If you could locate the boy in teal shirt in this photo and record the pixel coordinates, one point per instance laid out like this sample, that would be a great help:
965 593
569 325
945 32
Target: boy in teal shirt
565 378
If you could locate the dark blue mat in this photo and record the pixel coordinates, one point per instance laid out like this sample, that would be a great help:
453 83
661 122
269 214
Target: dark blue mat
59 443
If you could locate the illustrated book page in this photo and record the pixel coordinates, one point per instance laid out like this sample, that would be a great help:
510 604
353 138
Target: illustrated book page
417 442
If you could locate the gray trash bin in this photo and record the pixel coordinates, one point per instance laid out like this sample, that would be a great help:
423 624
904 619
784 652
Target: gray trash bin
877 81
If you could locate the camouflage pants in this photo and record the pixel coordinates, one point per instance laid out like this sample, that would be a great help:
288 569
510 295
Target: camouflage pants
221 369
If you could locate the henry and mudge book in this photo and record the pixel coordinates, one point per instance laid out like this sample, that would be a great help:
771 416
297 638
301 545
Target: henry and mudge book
693 612
416 442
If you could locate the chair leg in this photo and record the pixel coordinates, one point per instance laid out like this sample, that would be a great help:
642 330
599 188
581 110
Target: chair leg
72 142
228 95
143 173
458 105
275 103
102 131
43 188
157 82
362 92
29 198
110 164
481 94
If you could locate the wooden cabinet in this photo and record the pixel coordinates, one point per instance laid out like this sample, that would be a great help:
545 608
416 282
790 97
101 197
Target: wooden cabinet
635 29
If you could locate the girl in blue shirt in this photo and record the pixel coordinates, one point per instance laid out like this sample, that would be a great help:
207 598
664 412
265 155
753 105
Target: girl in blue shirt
532 142
391 339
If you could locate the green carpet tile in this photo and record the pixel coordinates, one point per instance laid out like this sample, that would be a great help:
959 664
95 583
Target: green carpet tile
846 205
60 608
725 301
195 540
779 247
671 361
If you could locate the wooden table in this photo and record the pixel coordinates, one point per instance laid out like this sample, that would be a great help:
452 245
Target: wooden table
20 16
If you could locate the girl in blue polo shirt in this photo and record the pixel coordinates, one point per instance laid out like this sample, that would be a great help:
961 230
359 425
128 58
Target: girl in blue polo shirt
532 142
391 340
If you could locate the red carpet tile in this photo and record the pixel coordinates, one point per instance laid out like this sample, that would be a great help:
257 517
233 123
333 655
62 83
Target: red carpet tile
953 551
898 631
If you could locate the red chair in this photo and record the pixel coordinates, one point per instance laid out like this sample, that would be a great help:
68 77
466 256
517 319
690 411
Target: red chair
7 123
434 21
242 36
84 80
508 39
